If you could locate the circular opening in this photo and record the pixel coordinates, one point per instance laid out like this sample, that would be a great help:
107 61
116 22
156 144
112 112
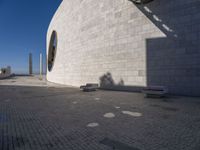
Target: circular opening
52 50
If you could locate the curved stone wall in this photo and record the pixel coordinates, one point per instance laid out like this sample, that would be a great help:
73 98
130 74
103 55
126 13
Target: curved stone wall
120 44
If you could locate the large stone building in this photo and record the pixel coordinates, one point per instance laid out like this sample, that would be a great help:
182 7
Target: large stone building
125 45
5 72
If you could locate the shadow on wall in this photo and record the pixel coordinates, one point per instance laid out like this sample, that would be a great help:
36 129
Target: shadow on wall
174 61
107 83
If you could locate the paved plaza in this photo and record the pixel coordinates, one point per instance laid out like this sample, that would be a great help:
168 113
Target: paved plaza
36 115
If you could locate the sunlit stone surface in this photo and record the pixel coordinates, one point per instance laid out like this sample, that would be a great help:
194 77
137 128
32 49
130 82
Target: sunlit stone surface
134 114
109 115
123 45
117 107
97 99
92 125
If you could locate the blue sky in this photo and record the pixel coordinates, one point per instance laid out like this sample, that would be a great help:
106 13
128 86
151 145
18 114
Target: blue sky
23 28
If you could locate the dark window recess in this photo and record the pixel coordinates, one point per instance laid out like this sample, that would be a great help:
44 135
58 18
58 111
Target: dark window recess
52 50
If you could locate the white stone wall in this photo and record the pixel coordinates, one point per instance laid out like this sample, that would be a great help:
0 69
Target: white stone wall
5 72
140 45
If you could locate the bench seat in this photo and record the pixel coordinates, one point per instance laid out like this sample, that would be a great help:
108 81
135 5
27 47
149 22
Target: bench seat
155 91
89 87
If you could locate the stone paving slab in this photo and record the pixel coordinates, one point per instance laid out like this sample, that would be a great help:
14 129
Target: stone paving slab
63 118
30 81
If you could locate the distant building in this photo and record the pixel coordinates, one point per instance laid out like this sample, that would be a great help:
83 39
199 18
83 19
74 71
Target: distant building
5 72
124 44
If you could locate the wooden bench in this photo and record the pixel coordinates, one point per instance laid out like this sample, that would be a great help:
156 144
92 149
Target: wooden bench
155 91
89 87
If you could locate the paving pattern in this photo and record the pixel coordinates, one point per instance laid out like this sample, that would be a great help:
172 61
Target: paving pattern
61 118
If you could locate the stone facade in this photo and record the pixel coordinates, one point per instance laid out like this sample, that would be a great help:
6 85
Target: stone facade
5 72
122 44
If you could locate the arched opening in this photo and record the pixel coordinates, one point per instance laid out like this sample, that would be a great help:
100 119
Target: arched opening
52 50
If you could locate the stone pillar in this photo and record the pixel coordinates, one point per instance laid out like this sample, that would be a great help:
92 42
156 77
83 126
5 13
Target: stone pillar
30 64
41 67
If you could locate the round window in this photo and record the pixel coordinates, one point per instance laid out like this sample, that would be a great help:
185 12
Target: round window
52 50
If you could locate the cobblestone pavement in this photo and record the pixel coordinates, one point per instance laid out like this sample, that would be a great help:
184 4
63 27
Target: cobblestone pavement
57 118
